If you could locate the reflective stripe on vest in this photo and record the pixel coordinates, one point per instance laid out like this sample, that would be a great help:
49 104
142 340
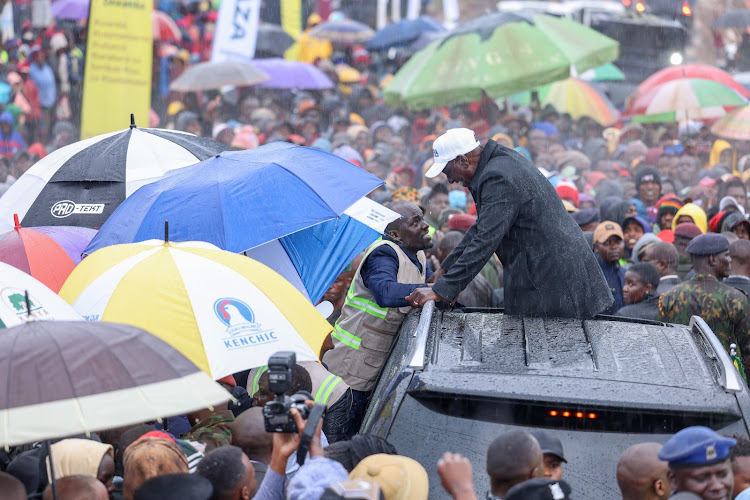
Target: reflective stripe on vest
346 338
365 305
256 379
325 390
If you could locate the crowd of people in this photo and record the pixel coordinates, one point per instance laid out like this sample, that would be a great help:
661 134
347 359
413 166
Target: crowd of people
663 208
142 463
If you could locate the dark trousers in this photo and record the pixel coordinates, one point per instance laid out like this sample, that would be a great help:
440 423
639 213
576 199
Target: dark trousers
336 422
360 402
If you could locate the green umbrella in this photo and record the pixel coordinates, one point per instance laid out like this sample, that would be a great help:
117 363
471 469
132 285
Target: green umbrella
500 54
604 73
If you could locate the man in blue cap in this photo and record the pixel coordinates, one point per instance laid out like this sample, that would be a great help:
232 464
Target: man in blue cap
699 463
724 308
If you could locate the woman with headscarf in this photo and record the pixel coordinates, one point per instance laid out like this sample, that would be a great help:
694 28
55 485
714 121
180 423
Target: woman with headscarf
148 457
72 457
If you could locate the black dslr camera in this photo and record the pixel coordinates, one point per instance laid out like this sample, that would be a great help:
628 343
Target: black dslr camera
277 414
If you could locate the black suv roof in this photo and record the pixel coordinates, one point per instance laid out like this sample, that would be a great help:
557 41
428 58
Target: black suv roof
610 360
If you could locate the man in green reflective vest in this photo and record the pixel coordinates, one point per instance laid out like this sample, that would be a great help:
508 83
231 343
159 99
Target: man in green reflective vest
375 306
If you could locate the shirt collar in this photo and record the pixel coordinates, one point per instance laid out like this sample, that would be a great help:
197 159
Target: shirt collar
704 277
669 276
739 277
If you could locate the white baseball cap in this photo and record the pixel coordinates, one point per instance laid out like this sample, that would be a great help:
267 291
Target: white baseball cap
453 143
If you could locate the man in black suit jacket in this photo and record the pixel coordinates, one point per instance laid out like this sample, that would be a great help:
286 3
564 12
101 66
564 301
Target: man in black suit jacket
664 257
739 277
549 269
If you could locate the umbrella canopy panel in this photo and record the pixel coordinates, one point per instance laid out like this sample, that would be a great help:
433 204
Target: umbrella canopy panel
736 18
735 125
403 33
275 189
81 184
285 74
88 377
498 54
223 311
702 71
214 75
47 253
272 41
343 31
684 99
44 304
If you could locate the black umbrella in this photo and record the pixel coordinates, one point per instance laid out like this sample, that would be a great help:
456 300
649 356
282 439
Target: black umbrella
81 184
65 378
272 41
739 18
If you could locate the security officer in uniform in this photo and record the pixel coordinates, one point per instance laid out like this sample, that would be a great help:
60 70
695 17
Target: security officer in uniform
375 305
327 389
699 463
724 308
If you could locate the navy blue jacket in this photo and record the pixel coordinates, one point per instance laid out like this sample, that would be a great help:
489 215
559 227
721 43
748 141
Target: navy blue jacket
615 276
379 274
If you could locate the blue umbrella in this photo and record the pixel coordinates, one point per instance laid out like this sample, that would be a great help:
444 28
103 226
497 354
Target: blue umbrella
311 259
403 33
277 196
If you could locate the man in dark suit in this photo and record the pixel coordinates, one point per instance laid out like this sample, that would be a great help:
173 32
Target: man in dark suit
549 268
739 278
664 257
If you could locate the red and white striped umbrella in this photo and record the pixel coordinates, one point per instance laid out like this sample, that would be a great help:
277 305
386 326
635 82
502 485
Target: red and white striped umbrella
164 27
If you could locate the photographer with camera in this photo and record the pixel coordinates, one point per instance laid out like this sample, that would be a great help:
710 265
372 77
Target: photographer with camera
328 389
295 421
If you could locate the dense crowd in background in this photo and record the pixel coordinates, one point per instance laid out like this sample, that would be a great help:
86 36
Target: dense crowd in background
640 194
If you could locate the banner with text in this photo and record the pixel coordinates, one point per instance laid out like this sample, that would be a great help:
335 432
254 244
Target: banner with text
236 30
117 80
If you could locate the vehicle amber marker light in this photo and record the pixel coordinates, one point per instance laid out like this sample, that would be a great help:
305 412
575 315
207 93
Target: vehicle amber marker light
567 414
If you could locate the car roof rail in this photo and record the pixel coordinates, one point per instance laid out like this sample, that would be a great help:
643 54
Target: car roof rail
420 334
730 377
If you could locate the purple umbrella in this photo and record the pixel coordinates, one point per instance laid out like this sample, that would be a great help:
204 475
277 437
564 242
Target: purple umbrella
292 75
74 10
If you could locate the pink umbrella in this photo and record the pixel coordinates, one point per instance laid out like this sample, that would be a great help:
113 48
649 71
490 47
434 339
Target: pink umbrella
164 27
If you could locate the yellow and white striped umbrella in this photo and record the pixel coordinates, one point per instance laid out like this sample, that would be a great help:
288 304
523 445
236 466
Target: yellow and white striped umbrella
223 311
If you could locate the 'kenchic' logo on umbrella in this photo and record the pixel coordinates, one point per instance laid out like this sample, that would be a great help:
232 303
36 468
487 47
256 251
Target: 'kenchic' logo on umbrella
241 326
65 208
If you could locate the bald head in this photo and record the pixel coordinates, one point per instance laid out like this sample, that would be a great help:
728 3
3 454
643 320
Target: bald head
448 243
249 433
513 457
11 487
640 473
739 251
77 488
664 256
405 209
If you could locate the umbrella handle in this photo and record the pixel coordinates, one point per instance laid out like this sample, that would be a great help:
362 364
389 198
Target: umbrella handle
53 481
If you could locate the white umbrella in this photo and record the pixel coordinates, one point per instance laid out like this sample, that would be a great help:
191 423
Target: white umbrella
16 287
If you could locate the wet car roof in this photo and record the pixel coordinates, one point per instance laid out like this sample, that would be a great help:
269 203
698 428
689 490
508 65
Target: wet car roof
606 360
